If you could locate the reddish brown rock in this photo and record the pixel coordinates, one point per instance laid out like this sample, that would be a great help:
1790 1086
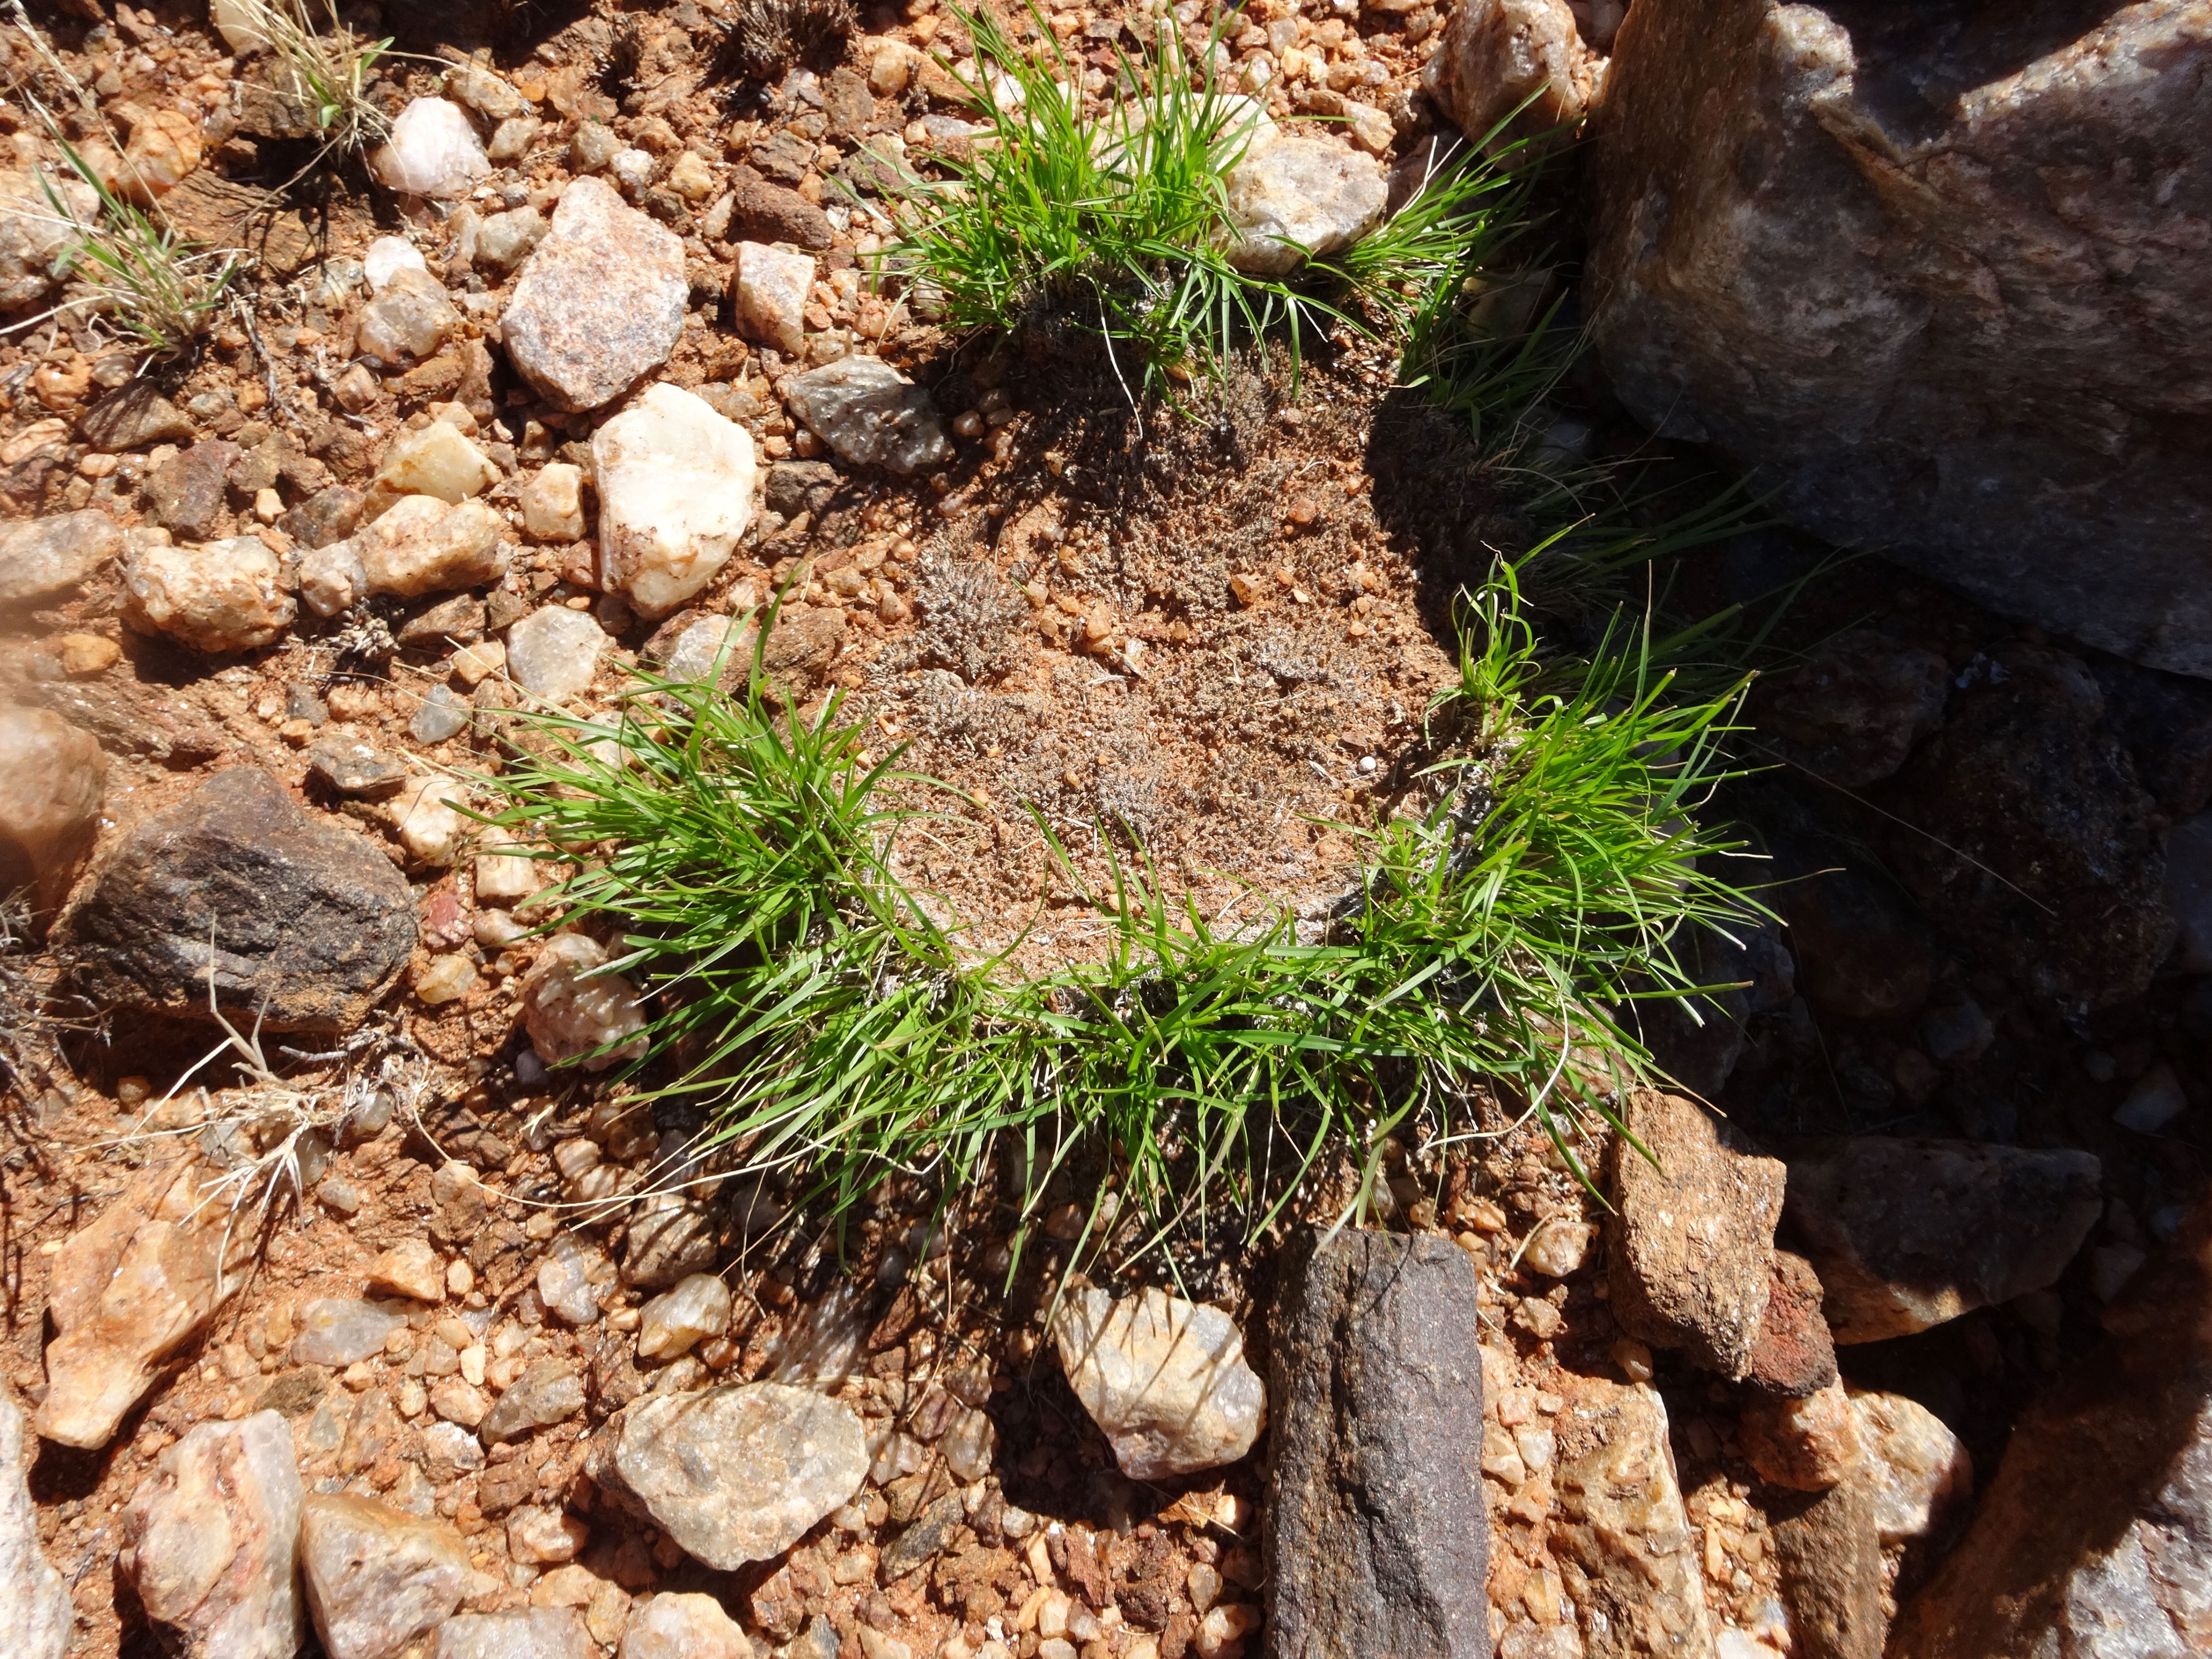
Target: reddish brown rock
1795 1354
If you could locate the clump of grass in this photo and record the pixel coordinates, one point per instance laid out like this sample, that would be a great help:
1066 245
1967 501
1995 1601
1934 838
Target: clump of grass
835 1030
152 286
1119 222
321 73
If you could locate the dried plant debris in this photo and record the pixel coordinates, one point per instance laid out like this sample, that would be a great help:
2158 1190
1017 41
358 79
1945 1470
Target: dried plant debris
762 38
971 619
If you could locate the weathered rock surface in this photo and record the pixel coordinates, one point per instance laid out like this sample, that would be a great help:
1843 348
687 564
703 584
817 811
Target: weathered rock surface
1165 1379
1691 1251
599 303
1795 1354
735 1474
1292 199
1630 1559
432 150
1851 711
571 1009
409 319
1378 1541
550 1392
233 595
863 409
125 1293
339 1330
439 460
1920 1478
310 924
211 1541
672 1627
422 544
1497 55
1830 1554
376 1579
185 493
135 416
33 236
1861 951
52 777
41 557
769 289
675 481
553 504
2096 1535
1905 1234
697 1308
554 652
526 1633
2032 840
1881 264
40 1617
1807 1442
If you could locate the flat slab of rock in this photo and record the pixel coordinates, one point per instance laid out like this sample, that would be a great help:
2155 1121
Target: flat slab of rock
1378 1541
211 1541
40 1616
1165 1379
377 1579
599 303
1906 1234
870 414
1692 1238
736 1473
125 1293
41 557
311 924
1620 1521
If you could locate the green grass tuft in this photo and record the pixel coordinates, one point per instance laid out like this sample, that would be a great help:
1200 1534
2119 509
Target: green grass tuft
1118 224
835 1031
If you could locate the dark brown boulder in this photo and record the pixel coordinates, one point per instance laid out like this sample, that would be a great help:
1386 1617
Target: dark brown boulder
309 925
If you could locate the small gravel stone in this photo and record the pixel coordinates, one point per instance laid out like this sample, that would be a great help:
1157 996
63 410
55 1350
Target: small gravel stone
231 595
442 715
432 151
864 410
699 1307
550 1392
599 303
1165 1379
554 652
410 1268
336 1331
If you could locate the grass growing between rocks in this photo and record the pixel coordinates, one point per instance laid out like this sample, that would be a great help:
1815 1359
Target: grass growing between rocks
827 1019
321 74
1120 225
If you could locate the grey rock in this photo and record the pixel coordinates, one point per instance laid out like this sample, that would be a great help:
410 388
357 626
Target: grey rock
327 516
526 1633
457 620
185 493
735 1474
550 1392
352 768
1293 199
923 1540
42 557
1692 1248
1165 1379
566 1277
134 416
599 303
211 1541
506 239
1515 68
40 1616
1879 264
378 1579
1377 1540
2095 1537
554 652
53 777
866 411
797 487
311 924
444 714
2032 841
1619 1519
667 1241
339 1330
1906 1234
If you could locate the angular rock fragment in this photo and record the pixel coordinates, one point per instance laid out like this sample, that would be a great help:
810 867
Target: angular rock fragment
550 1392
1498 55
126 1292
339 1330
1832 1571
310 924
697 1308
1693 1242
376 1579
675 483
676 1627
863 409
554 652
599 303
735 1474
422 544
234 595
211 1541
1808 1444
572 1008
432 150
769 292
1795 1354
1165 1379
1907 1233
1377 1537
42 557
1292 199
40 1617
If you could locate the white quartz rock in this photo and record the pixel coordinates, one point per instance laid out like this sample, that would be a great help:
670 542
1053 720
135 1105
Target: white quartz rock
432 151
768 292
569 1010
425 545
554 652
1294 198
387 256
231 595
435 461
675 481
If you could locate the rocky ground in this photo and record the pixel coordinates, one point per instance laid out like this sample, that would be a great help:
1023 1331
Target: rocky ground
587 363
